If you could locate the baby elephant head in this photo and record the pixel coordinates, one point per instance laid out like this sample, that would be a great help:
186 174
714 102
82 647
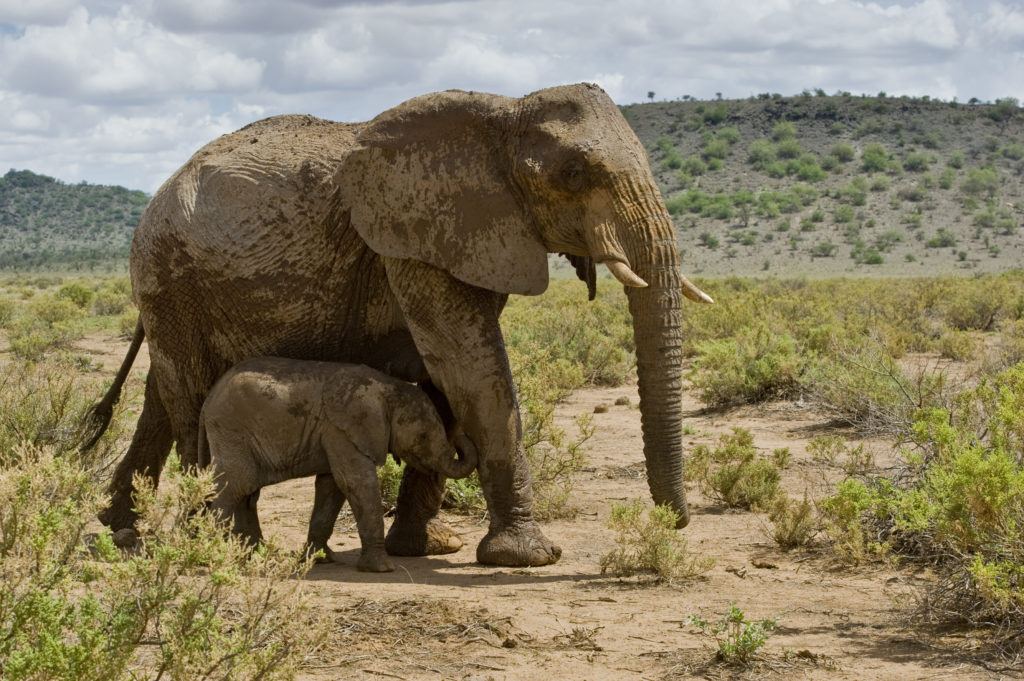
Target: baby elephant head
418 437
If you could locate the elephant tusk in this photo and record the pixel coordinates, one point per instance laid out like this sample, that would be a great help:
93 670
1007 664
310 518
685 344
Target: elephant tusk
694 293
626 276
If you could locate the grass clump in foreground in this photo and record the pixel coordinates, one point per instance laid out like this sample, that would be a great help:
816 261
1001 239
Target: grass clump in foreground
651 545
794 524
192 603
737 639
733 474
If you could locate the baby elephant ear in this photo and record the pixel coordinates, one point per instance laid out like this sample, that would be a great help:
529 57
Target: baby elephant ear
429 181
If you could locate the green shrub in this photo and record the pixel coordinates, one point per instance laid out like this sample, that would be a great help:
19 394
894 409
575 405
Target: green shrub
916 162
979 305
755 365
729 135
672 160
48 323
849 516
874 158
77 293
958 345
714 115
1013 151
693 166
738 639
7 309
127 322
806 168
946 178
981 181
761 153
823 249
879 184
1003 109
191 601
783 130
650 545
859 382
733 474
788 148
843 152
390 478
709 240
843 214
111 301
793 523
715 148
943 239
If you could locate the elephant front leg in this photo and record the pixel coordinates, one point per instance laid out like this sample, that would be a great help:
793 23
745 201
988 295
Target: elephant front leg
455 327
416 530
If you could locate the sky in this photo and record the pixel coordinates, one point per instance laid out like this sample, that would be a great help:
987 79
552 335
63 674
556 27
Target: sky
124 92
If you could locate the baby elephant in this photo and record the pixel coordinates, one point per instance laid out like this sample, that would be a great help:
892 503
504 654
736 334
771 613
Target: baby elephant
269 419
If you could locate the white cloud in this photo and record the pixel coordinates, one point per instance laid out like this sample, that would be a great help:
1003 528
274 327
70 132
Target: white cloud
21 12
124 91
117 57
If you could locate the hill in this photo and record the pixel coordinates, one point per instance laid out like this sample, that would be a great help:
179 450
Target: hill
839 185
47 224
784 186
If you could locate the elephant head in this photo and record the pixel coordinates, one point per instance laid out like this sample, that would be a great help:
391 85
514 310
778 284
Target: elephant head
418 437
485 187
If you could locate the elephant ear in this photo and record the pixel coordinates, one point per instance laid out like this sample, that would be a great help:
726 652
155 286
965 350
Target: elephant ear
586 271
429 181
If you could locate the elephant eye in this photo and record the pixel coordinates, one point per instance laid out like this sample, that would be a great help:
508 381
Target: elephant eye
574 175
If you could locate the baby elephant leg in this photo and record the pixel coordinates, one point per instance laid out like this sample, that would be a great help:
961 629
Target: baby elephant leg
247 520
327 502
360 486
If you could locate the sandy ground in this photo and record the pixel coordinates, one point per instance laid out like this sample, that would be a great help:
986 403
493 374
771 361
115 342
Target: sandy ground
447 617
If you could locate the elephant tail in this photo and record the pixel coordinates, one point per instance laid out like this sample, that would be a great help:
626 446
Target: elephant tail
97 419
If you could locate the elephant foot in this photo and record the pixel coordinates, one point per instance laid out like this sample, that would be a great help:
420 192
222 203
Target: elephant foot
126 538
375 561
518 546
321 554
433 539
119 515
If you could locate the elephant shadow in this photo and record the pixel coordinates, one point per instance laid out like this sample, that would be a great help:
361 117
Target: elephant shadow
438 571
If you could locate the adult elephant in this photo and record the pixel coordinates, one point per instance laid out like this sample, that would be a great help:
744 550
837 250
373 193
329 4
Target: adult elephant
395 243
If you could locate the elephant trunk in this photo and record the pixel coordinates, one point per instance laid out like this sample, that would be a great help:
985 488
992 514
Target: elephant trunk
466 457
643 238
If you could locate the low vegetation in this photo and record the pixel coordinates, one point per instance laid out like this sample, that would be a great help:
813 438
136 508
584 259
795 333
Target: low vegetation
737 639
646 542
931 363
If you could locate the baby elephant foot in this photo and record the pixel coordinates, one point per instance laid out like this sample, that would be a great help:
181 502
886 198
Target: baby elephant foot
433 539
374 560
518 546
322 553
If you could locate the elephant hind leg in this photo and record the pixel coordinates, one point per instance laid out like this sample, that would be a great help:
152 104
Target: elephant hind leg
327 502
150 446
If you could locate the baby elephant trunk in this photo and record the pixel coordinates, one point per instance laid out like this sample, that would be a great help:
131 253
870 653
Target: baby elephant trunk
465 459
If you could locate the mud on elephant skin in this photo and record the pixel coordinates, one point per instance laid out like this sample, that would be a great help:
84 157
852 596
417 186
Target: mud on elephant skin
268 420
394 243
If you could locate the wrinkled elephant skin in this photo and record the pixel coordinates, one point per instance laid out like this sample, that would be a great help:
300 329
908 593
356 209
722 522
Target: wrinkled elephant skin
395 243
